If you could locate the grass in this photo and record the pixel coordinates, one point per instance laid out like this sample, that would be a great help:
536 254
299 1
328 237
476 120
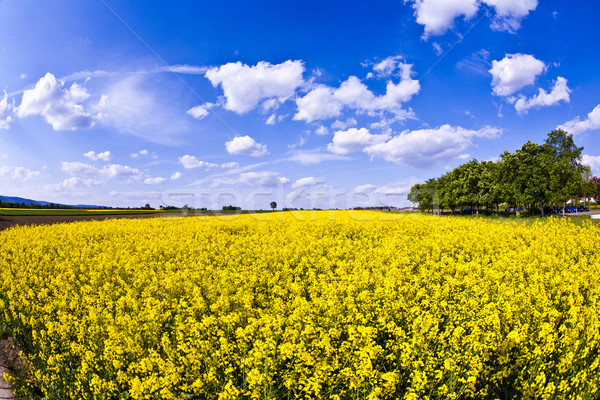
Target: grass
528 219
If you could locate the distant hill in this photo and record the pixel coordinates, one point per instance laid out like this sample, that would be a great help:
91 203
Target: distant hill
9 199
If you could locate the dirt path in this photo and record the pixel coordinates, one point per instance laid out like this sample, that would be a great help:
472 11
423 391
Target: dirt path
6 354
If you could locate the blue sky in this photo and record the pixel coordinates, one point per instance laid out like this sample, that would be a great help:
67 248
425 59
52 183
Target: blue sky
310 104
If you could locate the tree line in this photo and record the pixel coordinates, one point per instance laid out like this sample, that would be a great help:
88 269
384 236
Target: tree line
534 177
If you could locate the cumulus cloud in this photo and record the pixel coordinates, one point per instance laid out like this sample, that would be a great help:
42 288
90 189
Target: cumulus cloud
74 183
321 130
20 173
263 178
426 147
143 153
92 155
391 66
337 124
327 102
560 92
351 140
307 181
593 162
190 162
6 111
246 145
365 188
514 72
108 171
253 179
201 111
154 181
577 125
437 16
270 120
246 86
509 13
60 107
176 176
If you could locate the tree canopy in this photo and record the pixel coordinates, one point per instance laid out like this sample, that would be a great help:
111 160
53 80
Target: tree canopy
534 176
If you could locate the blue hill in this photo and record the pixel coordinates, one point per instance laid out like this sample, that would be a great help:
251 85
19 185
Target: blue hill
12 199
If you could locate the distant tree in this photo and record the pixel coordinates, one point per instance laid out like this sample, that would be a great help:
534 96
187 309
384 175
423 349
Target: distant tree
273 205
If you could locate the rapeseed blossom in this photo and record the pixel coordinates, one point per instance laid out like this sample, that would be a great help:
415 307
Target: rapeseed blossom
340 305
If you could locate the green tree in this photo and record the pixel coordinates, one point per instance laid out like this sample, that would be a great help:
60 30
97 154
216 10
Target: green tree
566 169
425 195
273 205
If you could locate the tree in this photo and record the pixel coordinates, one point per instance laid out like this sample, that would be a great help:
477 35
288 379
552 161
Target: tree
273 205
424 194
534 175
566 168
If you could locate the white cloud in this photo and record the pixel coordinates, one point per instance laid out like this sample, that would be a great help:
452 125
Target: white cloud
560 92
438 15
6 111
326 102
593 162
319 103
321 130
425 147
390 66
313 157
176 176
20 173
60 107
131 105
190 162
351 140
185 69
245 86
108 171
509 13
577 125
393 189
201 111
143 153
92 155
252 179
245 145
307 181
154 181
263 178
514 72
364 188
337 124
270 120
73 183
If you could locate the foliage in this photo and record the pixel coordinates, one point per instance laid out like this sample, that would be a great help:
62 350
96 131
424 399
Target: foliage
534 175
334 305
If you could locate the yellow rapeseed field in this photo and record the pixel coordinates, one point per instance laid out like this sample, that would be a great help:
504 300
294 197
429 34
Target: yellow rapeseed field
359 305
